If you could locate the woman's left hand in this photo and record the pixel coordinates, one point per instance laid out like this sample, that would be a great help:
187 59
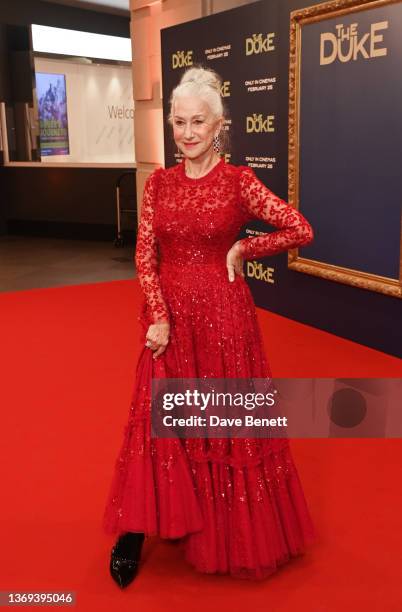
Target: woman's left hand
234 262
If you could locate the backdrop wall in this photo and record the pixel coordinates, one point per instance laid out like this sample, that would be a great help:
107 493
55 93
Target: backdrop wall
249 47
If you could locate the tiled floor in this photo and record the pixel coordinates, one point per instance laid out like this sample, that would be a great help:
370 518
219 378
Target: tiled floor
29 262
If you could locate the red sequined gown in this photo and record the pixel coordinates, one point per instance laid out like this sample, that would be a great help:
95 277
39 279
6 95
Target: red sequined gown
237 504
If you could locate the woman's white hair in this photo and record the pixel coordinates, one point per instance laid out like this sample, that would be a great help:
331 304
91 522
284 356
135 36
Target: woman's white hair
202 82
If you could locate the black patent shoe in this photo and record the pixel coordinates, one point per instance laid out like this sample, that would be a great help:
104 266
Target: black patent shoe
125 558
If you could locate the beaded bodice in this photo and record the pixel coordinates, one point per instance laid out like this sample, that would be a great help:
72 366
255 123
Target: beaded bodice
189 223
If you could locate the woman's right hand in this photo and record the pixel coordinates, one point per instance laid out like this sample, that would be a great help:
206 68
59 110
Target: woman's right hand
157 337
234 261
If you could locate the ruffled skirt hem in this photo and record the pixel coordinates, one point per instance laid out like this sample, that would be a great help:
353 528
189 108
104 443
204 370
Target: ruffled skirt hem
244 517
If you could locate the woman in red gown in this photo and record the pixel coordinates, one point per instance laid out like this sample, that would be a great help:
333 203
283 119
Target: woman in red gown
237 505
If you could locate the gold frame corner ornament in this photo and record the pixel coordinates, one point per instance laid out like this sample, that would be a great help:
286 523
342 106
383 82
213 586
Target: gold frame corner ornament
348 276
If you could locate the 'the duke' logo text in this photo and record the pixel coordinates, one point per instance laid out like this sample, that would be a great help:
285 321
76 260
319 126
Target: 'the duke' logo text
180 59
259 124
346 45
260 43
256 270
225 89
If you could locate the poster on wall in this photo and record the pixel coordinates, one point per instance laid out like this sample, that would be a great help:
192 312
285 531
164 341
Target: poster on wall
52 108
346 145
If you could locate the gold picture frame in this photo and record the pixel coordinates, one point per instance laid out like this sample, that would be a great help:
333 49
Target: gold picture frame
349 276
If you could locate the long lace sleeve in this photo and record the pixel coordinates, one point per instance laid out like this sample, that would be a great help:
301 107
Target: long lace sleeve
261 203
146 252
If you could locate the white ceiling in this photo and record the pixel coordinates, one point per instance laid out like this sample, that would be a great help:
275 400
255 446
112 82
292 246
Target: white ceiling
112 6
120 4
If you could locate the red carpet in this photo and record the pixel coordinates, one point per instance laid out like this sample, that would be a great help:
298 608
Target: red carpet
68 363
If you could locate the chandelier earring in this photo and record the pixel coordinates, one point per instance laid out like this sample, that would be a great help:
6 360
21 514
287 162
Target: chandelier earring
217 144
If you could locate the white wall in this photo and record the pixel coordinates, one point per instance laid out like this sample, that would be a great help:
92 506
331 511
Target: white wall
100 110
